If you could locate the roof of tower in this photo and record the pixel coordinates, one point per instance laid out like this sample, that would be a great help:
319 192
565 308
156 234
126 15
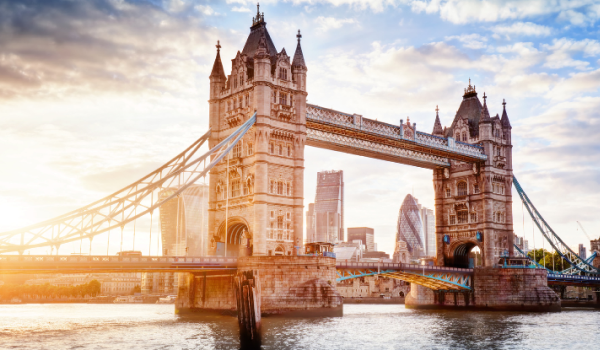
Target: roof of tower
505 122
485 114
298 56
437 126
470 109
217 70
258 30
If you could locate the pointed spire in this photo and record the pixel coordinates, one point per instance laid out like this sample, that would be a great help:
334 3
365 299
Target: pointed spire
437 126
485 114
217 70
298 56
504 121
260 18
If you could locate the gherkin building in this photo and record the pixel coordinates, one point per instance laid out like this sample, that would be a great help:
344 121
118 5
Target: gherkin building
410 226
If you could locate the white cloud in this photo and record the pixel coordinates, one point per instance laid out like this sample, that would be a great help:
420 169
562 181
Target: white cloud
561 52
522 28
465 11
240 9
471 41
205 9
325 24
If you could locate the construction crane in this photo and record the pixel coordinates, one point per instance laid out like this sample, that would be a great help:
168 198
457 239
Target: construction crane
582 229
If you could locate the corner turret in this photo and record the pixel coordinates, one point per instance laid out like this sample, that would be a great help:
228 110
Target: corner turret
437 125
299 66
217 76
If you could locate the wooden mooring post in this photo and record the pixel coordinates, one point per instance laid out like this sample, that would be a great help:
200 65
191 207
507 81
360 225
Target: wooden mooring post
247 294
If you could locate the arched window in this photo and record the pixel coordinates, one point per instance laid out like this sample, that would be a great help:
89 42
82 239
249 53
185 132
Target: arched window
462 214
461 188
464 137
235 188
272 188
280 222
279 251
280 150
289 190
284 192
272 148
237 150
249 149
473 217
280 188
241 79
289 151
476 188
274 96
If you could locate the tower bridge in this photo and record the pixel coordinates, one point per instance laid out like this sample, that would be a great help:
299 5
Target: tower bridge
259 126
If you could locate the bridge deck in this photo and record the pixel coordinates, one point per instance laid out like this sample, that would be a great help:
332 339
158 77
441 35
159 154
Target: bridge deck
347 133
11 264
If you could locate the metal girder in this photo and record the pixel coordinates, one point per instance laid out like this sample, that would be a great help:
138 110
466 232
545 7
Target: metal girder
127 204
436 280
580 265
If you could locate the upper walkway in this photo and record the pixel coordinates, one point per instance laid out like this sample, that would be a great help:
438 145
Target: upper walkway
330 129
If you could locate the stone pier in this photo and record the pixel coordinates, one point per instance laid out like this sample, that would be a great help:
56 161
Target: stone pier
290 285
493 289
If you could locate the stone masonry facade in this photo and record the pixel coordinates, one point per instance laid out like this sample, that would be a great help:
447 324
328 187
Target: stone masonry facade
471 198
260 187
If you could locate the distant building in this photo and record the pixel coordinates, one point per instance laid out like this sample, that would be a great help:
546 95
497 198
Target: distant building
526 246
376 255
184 231
582 252
428 220
111 283
365 234
410 226
184 221
310 224
119 285
328 212
349 251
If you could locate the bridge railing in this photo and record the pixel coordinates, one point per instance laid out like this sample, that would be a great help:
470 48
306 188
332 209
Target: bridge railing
320 114
399 266
114 259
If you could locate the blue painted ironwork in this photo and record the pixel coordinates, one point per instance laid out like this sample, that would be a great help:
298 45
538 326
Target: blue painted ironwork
434 277
580 265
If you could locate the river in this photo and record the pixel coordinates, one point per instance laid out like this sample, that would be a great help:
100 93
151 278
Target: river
145 326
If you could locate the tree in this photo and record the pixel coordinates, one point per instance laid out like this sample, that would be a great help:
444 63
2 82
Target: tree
550 260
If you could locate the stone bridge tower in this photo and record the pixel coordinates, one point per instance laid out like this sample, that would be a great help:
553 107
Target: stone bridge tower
473 202
259 189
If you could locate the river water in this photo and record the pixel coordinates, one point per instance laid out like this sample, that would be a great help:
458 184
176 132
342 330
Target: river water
145 326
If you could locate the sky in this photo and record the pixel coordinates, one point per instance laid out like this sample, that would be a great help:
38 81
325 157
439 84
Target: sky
95 94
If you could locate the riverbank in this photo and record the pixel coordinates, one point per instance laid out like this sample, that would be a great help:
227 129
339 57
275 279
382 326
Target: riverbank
369 300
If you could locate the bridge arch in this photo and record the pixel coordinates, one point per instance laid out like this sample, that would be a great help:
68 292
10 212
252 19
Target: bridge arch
458 253
239 236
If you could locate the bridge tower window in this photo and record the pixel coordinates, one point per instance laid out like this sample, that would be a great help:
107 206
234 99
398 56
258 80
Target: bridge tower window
462 188
280 150
464 138
476 188
280 188
237 150
249 149
272 148
235 188
289 189
274 96
289 151
452 219
473 217
448 194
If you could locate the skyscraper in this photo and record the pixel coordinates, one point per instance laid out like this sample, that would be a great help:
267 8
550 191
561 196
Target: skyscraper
365 234
328 212
428 220
410 226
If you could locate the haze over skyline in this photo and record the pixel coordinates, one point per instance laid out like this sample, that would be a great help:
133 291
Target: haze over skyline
96 94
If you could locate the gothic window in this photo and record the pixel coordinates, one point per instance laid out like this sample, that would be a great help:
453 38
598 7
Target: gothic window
241 79
273 189
457 137
476 188
228 105
452 219
282 99
274 96
272 148
289 151
280 187
249 149
464 137
280 222
280 150
235 188
473 217
272 215
289 216
237 150
247 100
235 82
289 189
462 188
498 148
284 192
448 194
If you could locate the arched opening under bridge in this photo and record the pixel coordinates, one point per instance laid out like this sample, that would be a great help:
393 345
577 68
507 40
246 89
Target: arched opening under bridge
466 255
238 237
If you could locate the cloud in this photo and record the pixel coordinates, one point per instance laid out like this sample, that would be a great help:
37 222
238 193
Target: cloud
206 10
522 29
561 52
325 24
240 9
471 41
466 11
